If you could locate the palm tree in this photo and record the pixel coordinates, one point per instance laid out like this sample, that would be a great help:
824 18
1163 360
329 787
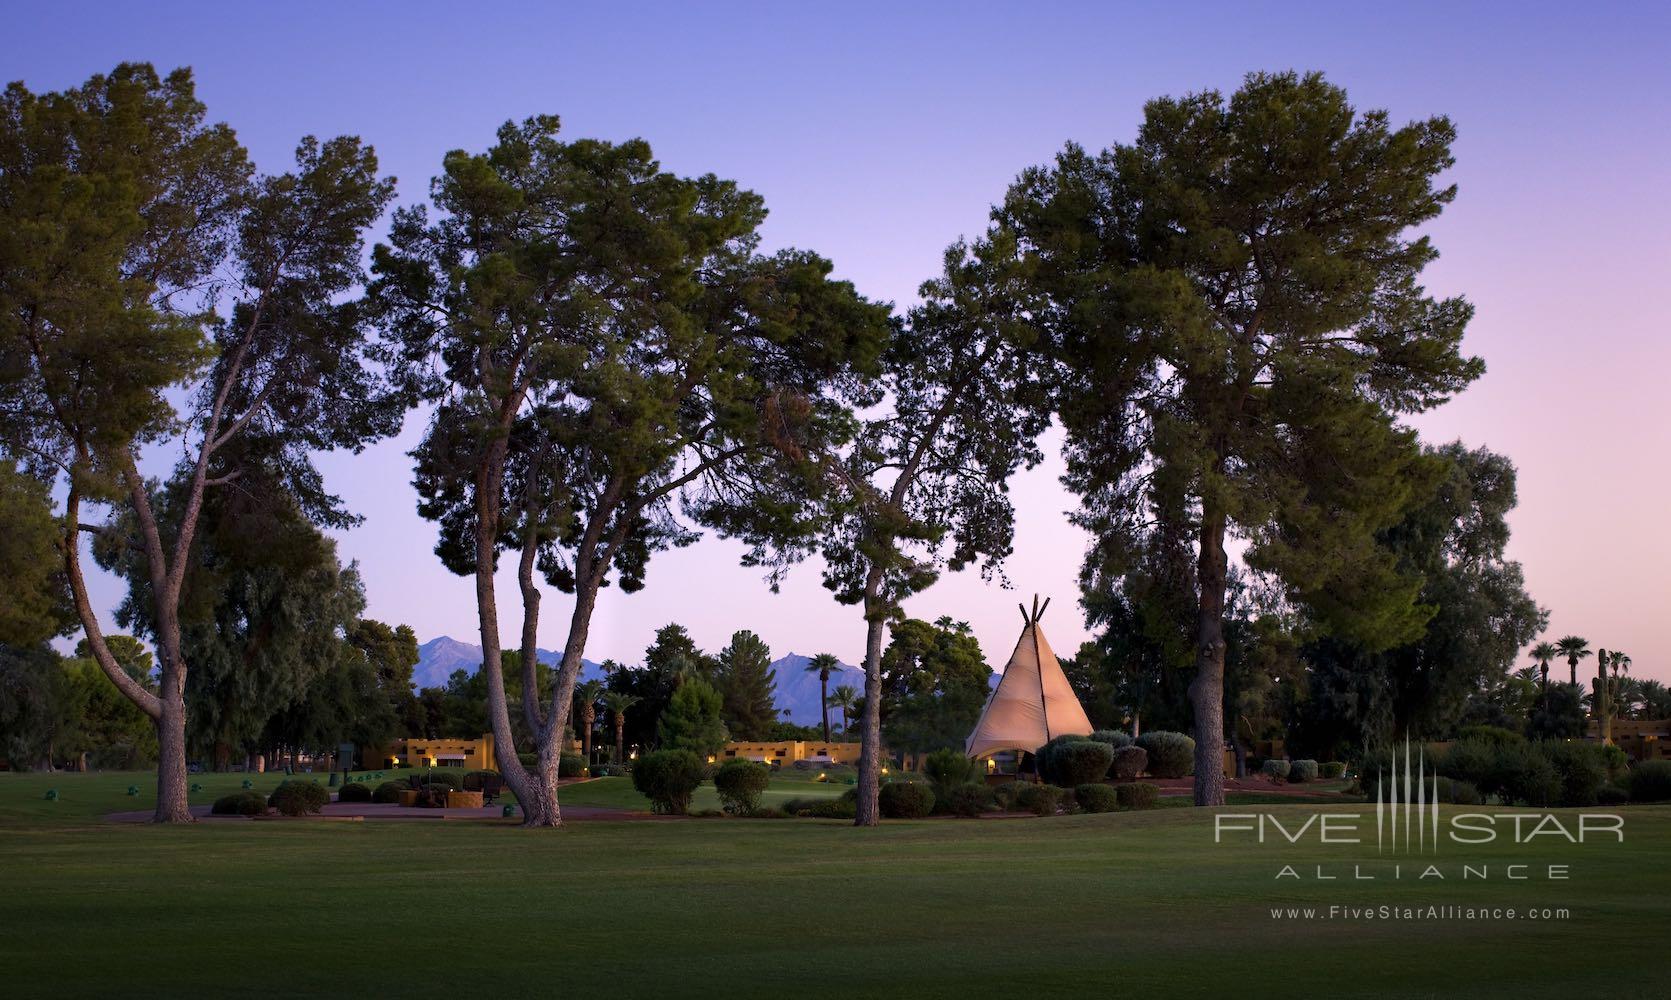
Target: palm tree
587 695
617 703
846 698
821 665
1574 649
1656 699
1543 653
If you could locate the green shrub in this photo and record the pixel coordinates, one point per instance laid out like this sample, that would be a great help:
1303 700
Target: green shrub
1137 795
1039 799
1302 771
740 784
1072 764
1171 755
570 765
1650 781
1494 735
1612 795
354 792
1332 769
444 780
947 769
1006 794
1522 774
1582 768
1470 760
1096 798
968 799
1275 769
838 808
1456 791
529 760
1129 762
389 791
667 778
1113 737
244 803
473 780
1042 756
1615 760
905 799
299 797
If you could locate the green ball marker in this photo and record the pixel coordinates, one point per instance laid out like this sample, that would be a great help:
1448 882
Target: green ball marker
52 795
133 789
508 811
248 783
196 787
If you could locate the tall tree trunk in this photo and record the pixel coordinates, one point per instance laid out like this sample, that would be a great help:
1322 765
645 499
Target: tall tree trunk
1604 706
870 722
1572 668
824 702
173 790
620 739
1206 692
586 721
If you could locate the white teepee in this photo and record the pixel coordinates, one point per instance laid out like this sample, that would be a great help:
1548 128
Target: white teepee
1033 702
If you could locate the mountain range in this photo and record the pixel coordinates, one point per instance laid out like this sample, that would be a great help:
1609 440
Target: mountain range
796 692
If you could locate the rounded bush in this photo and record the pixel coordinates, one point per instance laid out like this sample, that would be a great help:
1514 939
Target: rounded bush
668 778
1470 760
443 780
947 769
389 791
1005 795
1301 771
1074 764
740 784
968 799
1582 768
1276 770
1113 737
1137 795
1096 798
244 803
1129 762
473 780
905 799
1612 795
570 765
1650 781
1523 775
1171 755
298 797
354 792
1457 792
1042 757
1332 769
1040 800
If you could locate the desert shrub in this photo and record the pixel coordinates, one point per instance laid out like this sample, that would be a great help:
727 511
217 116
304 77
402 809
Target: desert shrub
570 765
1523 774
1074 764
389 791
1611 795
1096 798
667 778
1301 771
1494 735
905 799
298 798
1650 781
1582 768
947 769
1332 769
1456 791
1171 755
968 799
473 780
1129 762
1039 799
1275 770
443 780
354 791
1006 794
244 803
1470 760
740 784
1615 760
1137 795
1113 737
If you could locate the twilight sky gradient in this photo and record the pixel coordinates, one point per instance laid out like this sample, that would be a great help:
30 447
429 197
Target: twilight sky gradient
878 135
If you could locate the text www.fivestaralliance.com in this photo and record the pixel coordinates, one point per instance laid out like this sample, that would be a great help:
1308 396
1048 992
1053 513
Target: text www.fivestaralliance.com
1419 913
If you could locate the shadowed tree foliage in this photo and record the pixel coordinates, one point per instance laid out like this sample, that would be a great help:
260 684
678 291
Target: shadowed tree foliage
613 365
1236 297
934 683
747 684
141 265
692 720
36 604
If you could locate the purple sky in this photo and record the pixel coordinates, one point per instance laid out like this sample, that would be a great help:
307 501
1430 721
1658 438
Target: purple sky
877 136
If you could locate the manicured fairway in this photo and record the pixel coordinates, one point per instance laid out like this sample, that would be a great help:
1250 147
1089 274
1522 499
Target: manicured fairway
1120 904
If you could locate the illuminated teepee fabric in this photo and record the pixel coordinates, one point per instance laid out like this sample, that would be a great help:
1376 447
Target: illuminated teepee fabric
1033 702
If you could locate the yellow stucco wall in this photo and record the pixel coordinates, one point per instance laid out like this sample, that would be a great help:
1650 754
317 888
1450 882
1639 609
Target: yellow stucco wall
469 755
782 753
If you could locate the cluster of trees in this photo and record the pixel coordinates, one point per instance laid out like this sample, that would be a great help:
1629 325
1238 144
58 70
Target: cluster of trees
1225 315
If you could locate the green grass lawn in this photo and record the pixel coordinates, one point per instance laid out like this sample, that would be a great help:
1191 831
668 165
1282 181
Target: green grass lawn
1124 903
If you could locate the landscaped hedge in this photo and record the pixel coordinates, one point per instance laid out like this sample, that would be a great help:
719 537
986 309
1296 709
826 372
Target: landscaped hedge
1129 762
473 780
968 799
244 803
354 791
1040 800
1096 798
389 791
836 808
298 797
1171 755
740 784
668 778
1006 795
1582 769
947 769
1457 792
1276 769
1076 763
443 780
570 765
1137 795
905 800
1650 781
1113 737
1332 769
1301 771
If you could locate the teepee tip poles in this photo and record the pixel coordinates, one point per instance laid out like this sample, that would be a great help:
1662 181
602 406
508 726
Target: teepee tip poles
1037 612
